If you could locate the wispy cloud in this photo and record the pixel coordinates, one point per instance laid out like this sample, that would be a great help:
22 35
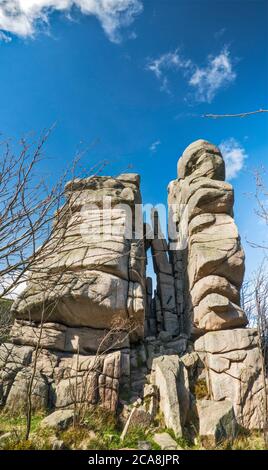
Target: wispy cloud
206 81
24 17
4 37
234 155
153 147
218 34
165 63
217 74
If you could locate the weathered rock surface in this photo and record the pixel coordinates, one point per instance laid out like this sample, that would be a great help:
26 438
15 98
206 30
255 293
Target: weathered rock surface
212 257
60 380
150 398
84 302
171 379
94 327
59 419
163 316
58 337
87 276
216 422
165 441
234 372
17 397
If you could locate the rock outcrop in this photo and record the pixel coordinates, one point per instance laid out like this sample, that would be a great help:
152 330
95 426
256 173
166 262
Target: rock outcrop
234 372
84 303
91 330
170 377
212 259
216 422
208 261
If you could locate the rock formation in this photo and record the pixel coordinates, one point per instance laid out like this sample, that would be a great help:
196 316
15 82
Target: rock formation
90 330
84 303
213 259
233 369
210 267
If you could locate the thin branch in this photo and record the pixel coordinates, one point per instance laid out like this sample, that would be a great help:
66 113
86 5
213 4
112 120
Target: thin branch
241 115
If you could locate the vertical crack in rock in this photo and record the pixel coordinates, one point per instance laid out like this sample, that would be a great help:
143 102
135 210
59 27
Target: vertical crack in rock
98 332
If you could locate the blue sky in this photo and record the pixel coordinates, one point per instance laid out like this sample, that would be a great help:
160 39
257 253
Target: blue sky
135 77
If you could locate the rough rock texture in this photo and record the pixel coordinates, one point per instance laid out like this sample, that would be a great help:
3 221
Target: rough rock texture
216 421
165 441
59 419
208 269
210 264
234 372
84 302
170 377
161 311
58 337
98 330
93 269
61 378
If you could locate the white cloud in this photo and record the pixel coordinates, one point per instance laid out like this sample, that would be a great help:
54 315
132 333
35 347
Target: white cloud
206 81
217 74
234 155
154 146
24 17
165 63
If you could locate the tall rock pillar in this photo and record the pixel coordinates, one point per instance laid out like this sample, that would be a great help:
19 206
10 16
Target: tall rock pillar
212 260
208 260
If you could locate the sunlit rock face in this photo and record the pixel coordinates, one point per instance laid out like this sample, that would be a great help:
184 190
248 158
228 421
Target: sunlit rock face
84 303
233 366
93 330
208 264
92 271
212 259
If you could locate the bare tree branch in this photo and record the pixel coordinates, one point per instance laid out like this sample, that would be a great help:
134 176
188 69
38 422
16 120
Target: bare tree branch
240 115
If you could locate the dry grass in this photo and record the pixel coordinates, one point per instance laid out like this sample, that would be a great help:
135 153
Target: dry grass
100 431
201 390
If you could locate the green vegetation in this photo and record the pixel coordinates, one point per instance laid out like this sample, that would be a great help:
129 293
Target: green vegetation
246 441
5 303
10 422
99 430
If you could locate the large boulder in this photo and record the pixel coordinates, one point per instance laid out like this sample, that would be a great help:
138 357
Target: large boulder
165 441
59 420
234 372
203 159
171 378
216 422
58 337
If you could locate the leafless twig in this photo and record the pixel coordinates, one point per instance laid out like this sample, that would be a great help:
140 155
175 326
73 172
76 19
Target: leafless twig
239 115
